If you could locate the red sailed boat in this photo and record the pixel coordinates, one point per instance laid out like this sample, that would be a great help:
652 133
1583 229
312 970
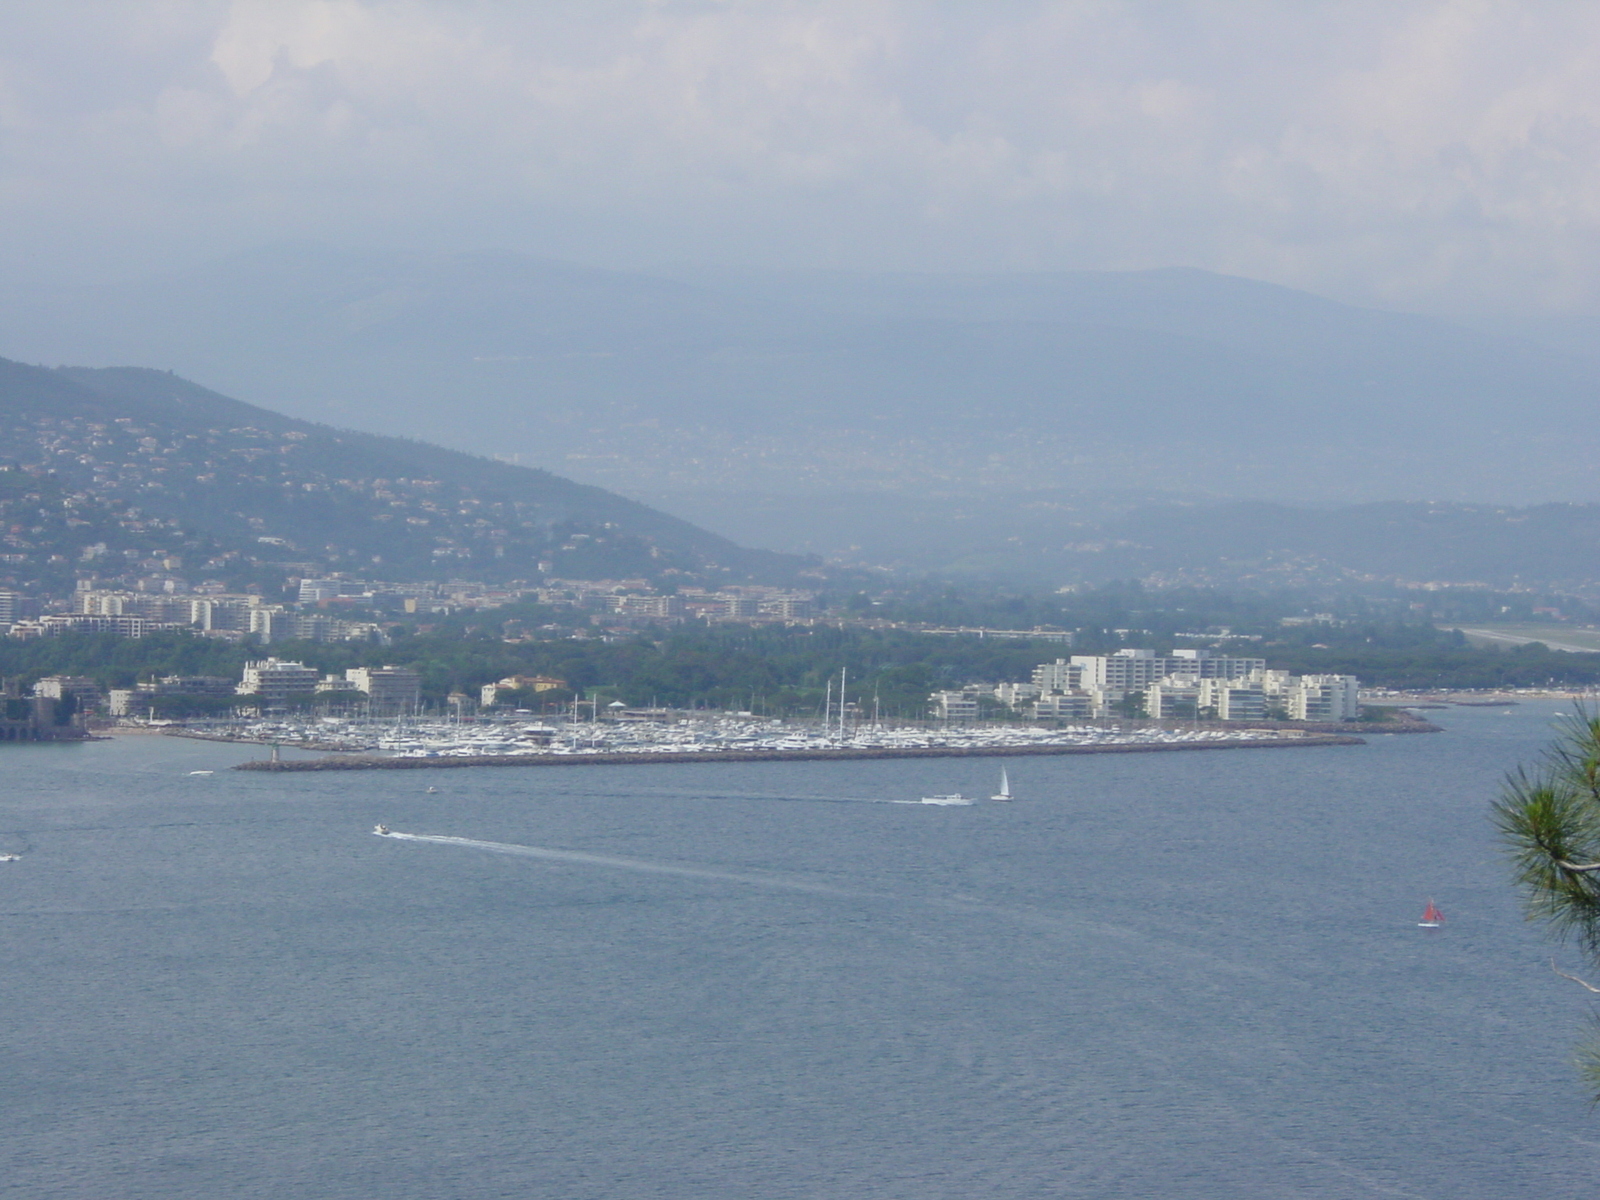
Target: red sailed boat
1432 918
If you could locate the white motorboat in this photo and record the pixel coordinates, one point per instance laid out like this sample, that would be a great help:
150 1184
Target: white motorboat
1005 787
381 830
10 858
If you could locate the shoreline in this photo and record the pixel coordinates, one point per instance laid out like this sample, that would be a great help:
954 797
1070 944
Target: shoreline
365 762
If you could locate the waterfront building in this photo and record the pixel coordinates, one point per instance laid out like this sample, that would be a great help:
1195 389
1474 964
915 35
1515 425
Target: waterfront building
1324 698
388 689
490 694
1233 699
275 680
954 706
1058 706
79 687
1016 695
1191 683
1173 698
1133 670
337 687
1059 676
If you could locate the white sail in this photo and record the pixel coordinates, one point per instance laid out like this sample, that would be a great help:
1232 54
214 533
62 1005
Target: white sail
1005 787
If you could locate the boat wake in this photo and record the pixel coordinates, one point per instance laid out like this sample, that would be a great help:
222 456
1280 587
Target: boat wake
616 862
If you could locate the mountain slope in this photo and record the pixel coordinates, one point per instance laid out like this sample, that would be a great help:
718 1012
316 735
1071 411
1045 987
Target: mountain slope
168 468
795 383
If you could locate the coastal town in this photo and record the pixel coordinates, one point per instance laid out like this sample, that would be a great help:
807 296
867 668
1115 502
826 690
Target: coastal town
1132 698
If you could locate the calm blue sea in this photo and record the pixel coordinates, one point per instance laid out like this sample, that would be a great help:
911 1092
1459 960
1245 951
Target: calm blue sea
1167 975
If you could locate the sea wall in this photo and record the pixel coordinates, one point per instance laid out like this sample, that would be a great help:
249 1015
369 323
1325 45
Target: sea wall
372 762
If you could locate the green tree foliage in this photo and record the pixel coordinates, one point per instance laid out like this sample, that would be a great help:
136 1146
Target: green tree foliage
1549 817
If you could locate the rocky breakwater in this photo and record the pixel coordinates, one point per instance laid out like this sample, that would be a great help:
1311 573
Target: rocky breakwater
1264 740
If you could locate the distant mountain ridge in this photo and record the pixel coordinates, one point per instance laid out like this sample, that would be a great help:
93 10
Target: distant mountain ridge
146 465
930 422
810 383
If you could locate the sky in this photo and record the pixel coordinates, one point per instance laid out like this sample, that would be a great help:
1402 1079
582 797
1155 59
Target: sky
1433 155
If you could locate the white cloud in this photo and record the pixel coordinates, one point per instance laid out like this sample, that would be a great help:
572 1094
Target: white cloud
1424 152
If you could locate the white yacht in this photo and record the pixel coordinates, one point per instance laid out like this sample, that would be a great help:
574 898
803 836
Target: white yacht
1005 787
381 830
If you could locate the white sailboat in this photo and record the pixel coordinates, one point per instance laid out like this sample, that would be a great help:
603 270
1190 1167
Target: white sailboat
1005 787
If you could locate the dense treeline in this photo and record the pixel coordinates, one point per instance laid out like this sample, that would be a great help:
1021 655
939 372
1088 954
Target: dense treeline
772 669
778 670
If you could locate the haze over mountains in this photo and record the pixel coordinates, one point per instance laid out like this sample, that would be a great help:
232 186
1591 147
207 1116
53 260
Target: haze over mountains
918 420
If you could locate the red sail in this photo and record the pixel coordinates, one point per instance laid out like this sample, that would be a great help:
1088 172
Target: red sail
1432 915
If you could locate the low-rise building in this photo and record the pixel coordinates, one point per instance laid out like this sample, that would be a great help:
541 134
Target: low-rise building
1058 706
388 689
490 694
1233 699
954 706
1017 695
85 691
1324 698
1189 684
276 681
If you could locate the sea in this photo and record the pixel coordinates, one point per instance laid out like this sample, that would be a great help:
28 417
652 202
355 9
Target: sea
1174 975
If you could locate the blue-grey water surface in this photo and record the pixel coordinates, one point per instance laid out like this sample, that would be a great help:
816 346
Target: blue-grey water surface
1165 975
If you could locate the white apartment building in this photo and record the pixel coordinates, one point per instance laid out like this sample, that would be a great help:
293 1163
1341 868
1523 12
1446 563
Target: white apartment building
1171 699
1234 699
275 680
1188 683
1324 698
1132 670
1015 695
1059 676
954 706
1061 706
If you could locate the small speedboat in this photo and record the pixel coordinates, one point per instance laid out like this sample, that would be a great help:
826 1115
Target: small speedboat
202 772
10 858
381 830
433 791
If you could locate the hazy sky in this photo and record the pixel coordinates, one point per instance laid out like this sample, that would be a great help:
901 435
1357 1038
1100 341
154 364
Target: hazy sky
1432 154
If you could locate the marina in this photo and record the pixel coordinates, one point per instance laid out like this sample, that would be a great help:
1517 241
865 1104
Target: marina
718 738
